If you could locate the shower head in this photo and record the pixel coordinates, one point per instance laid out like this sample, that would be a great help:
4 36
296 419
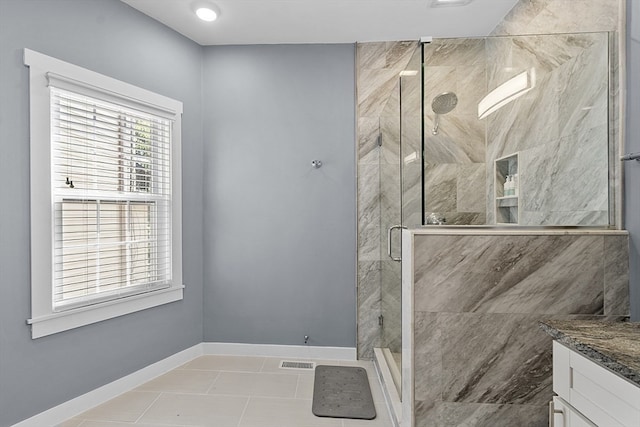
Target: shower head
442 104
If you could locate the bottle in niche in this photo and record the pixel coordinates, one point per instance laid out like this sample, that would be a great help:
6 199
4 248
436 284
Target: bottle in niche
508 191
505 191
514 178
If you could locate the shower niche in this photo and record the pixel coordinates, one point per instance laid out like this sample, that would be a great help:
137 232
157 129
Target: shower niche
507 189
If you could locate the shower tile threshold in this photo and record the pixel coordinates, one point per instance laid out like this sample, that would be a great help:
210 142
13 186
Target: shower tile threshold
229 391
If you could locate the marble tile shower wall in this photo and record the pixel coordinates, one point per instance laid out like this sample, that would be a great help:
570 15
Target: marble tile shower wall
480 357
378 67
411 143
454 166
559 129
562 16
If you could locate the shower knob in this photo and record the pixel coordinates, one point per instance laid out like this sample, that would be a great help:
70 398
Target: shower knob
316 163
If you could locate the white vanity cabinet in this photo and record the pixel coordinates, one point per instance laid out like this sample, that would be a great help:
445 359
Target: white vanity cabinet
589 394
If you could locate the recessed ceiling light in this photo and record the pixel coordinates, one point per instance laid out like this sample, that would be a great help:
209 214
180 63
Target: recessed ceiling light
206 14
205 10
439 3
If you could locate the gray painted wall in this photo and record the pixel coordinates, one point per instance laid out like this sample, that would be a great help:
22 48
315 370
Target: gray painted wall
280 236
632 169
109 37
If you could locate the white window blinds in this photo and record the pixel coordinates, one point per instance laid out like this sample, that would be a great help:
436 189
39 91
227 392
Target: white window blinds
111 189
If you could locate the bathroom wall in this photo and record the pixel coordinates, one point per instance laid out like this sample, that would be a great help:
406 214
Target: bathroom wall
632 169
454 159
109 37
479 356
559 129
378 66
559 16
279 238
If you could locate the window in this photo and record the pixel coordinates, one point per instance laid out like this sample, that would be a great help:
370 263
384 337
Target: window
105 197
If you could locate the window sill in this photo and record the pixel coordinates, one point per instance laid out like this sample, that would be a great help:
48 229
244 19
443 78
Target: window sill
57 322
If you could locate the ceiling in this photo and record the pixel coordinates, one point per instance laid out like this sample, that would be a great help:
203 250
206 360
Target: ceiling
325 21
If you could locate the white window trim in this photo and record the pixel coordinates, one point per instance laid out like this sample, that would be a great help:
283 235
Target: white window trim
44 321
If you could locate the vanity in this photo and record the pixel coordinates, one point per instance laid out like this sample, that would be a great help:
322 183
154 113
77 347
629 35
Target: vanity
596 373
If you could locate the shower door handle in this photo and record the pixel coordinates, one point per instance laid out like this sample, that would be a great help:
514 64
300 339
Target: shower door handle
389 245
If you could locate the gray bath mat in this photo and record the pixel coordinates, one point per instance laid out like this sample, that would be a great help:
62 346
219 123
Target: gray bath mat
342 392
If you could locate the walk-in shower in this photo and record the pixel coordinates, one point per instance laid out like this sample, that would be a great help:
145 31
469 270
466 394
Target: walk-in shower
541 158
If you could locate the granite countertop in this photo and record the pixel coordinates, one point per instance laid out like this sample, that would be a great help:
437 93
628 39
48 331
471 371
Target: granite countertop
614 345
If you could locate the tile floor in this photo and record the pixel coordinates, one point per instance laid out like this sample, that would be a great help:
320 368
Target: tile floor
228 391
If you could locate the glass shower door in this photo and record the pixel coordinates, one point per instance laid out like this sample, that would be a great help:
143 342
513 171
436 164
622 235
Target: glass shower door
391 226
400 200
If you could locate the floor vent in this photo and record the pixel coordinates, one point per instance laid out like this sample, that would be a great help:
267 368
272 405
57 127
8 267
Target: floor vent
287 364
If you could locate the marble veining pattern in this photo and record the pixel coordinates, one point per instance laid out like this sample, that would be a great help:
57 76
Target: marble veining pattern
480 356
616 275
378 66
615 345
549 16
562 16
510 274
495 358
368 308
471 188
453 157
559 128
486 415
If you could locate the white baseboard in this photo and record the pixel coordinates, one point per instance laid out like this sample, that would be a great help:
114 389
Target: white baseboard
80 404
272 350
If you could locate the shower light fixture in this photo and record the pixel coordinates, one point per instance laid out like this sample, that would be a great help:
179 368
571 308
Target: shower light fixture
408 73
507 92
440 3
206 11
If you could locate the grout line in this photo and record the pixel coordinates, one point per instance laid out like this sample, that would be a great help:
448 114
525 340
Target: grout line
213 382
295 394
264 362
244 410
147 409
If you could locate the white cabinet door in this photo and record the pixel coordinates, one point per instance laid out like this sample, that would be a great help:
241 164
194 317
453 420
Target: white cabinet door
564 415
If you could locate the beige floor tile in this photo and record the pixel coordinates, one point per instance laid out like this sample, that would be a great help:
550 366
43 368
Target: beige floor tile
376 389
127 407
73 422
271 412
228 391
382 419
195 410
182 381
261 384
305 387
226 363
117 424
